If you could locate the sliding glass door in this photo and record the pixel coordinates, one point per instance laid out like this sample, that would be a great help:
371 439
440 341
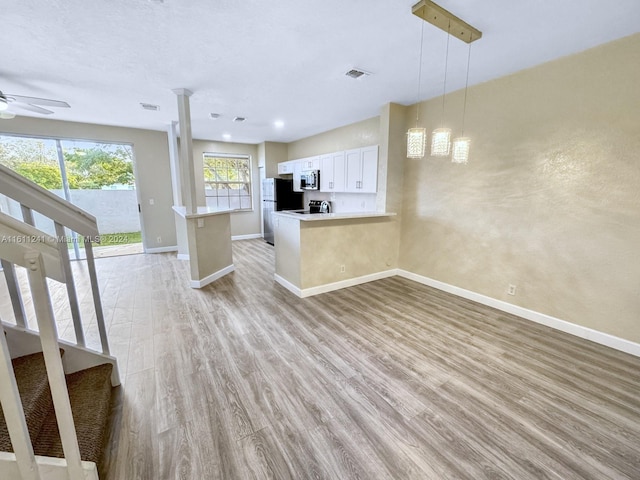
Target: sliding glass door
97 177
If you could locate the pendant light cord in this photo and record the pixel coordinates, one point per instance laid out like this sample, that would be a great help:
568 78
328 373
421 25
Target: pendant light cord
420 73
446 63
466 87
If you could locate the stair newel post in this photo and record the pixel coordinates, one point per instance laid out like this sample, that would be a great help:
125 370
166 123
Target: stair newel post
14 416
65 262
53 363
95 290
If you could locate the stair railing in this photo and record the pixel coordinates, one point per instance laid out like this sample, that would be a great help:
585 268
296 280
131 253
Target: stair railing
32 197
41 259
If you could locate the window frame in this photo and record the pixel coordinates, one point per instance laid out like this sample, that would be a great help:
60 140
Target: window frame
248 184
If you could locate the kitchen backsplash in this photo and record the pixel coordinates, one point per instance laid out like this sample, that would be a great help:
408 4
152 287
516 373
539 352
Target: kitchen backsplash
344 202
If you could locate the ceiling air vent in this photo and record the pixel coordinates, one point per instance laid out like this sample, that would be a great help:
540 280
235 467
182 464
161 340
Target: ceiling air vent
149 106
239 119
355 73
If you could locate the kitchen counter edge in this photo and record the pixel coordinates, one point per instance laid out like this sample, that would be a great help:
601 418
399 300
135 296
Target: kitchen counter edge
314 217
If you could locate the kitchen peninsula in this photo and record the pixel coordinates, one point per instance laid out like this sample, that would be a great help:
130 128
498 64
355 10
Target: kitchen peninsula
323 252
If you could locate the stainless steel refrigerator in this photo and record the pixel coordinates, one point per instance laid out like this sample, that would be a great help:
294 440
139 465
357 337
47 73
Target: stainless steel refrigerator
278 194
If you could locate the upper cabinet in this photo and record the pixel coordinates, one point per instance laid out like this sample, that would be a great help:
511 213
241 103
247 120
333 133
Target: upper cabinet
285 168
311 163
353 170
361 170
297 173
332 171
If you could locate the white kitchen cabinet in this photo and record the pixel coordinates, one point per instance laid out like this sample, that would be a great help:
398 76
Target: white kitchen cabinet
285 168
361 172
311 163
297 173
332 172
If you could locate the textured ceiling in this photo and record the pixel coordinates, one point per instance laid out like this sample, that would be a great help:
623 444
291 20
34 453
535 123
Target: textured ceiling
280 60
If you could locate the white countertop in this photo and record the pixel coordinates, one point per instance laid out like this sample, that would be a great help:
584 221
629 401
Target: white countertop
201 212
314 217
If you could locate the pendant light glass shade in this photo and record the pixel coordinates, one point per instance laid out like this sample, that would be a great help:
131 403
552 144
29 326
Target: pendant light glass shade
461 150
441 142
416 142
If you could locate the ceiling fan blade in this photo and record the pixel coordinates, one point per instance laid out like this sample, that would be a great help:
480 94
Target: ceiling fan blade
31 108
38 101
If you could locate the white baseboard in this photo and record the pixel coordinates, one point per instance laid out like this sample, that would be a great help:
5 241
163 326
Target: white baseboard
330 287
173 248
246 237
183 256
288 285
213 277
596 336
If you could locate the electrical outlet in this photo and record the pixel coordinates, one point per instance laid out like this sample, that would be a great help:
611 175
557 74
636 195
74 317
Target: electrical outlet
512 289
159 239
152 201
200 222
342 269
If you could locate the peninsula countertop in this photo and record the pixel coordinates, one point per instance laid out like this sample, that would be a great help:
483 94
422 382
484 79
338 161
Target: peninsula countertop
314 217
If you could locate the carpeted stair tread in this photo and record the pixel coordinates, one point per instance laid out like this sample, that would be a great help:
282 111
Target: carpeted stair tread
33 385
90 396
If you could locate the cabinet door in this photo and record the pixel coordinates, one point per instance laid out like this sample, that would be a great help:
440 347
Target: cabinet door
326 173
297 172
369 169
285 168
339 167
353 172
332 172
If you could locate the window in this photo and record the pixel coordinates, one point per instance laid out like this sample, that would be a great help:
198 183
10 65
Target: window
227 181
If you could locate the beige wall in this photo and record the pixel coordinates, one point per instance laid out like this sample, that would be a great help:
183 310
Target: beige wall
356 135
209 245
550 200
242 223
270 154
364 246
153 176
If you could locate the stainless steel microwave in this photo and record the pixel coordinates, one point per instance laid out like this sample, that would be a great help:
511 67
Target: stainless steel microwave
310 180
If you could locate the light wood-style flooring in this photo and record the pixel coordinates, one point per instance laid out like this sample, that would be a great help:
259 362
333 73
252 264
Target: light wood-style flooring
387 380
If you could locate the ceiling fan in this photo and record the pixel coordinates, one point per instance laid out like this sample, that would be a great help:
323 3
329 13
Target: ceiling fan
9 102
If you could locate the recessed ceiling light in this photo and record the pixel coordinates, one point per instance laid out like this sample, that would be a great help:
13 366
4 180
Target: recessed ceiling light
215 116
226 136
239 119
150 106
278 124
356 73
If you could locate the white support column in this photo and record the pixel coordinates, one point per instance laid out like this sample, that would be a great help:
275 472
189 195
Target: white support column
14 416
187 168
53 363
176 178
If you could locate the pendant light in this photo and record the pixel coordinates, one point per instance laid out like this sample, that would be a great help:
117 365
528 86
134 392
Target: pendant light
441 137
417 137
461 144
446 21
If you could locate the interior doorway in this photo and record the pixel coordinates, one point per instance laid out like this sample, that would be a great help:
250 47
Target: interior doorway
95 176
